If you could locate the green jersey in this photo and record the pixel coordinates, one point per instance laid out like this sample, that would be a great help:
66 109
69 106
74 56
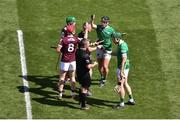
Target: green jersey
105 34
122 49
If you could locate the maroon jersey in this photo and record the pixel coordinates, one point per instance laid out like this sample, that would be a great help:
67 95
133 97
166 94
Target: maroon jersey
68 50
63 32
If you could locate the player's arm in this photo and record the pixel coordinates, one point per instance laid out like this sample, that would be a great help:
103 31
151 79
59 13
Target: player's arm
91 49
124 57
86 31
89 66
62 35
93 25
59 46
96 43
94 46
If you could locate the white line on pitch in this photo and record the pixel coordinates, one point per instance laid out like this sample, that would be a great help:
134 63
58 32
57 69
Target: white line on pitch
24 74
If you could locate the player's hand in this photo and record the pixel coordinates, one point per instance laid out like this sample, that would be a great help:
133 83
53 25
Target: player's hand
93 17
58 49
95 63
94 44
86 25
123 75
100 46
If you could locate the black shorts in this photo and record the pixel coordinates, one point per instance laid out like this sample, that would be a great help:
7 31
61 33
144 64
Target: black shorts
84 80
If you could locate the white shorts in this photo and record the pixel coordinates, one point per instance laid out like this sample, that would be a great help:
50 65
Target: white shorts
118 73
103 54
68 66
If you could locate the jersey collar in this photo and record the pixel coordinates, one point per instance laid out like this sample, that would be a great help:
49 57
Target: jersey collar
70 35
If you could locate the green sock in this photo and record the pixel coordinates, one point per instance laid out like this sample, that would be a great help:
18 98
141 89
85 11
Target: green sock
121 100
102 77
130 96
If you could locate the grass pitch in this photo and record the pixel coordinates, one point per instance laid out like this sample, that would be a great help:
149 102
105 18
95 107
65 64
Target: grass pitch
152 28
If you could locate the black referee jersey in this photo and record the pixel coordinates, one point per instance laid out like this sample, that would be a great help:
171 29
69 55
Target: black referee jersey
82 72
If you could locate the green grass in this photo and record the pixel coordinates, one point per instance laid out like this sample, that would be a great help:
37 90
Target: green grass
169 47
12 101
148 26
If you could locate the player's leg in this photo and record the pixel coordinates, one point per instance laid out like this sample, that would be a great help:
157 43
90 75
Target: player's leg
90 72
89 91
105 64
128 89
120 89
99 56
63 71
67 77
122 92
82 98
73 83
72 70
100 67
84 89
61 83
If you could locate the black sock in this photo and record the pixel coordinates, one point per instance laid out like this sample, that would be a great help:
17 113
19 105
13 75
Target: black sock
83 100
72 90
80 96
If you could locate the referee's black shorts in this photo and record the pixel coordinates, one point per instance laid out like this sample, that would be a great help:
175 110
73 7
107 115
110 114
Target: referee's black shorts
84 80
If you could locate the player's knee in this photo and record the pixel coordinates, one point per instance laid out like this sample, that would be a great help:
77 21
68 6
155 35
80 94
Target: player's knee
106 69
61 82
126 84
73 81
121 83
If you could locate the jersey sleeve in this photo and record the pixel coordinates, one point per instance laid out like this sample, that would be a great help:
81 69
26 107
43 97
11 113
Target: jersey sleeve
63 32
81 35
61 42
99 28
112 30
124 48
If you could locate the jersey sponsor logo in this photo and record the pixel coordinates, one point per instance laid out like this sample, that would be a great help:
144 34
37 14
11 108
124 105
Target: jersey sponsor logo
70 39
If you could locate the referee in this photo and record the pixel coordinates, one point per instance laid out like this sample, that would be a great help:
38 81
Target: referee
83 65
